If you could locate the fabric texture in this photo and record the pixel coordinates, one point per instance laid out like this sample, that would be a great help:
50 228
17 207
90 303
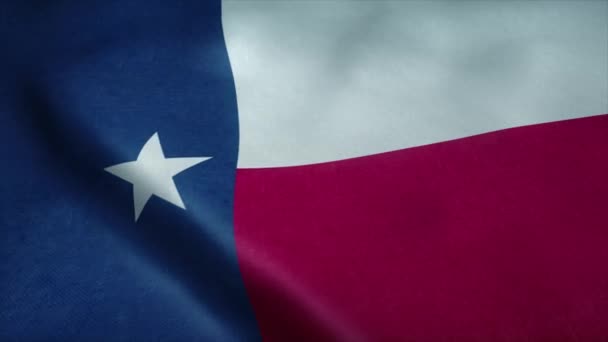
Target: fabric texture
192 170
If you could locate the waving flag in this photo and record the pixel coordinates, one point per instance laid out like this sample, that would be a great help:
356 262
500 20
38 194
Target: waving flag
304 170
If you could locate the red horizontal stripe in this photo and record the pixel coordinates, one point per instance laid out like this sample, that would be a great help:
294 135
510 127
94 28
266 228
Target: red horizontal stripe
501 236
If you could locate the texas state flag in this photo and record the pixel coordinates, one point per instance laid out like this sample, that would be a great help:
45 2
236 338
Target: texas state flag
189 170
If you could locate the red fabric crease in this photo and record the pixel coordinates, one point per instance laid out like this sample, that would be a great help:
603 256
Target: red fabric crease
292 306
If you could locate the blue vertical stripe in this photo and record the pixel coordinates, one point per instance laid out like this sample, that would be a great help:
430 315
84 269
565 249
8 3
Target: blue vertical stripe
84 85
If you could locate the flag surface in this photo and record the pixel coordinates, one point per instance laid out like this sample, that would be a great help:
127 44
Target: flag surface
306 170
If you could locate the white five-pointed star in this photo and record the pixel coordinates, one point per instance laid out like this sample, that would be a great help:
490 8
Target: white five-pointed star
152 174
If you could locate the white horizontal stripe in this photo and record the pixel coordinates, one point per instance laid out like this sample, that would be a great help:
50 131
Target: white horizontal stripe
326 80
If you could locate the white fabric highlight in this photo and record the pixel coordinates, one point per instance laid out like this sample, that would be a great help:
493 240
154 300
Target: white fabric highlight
327 80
